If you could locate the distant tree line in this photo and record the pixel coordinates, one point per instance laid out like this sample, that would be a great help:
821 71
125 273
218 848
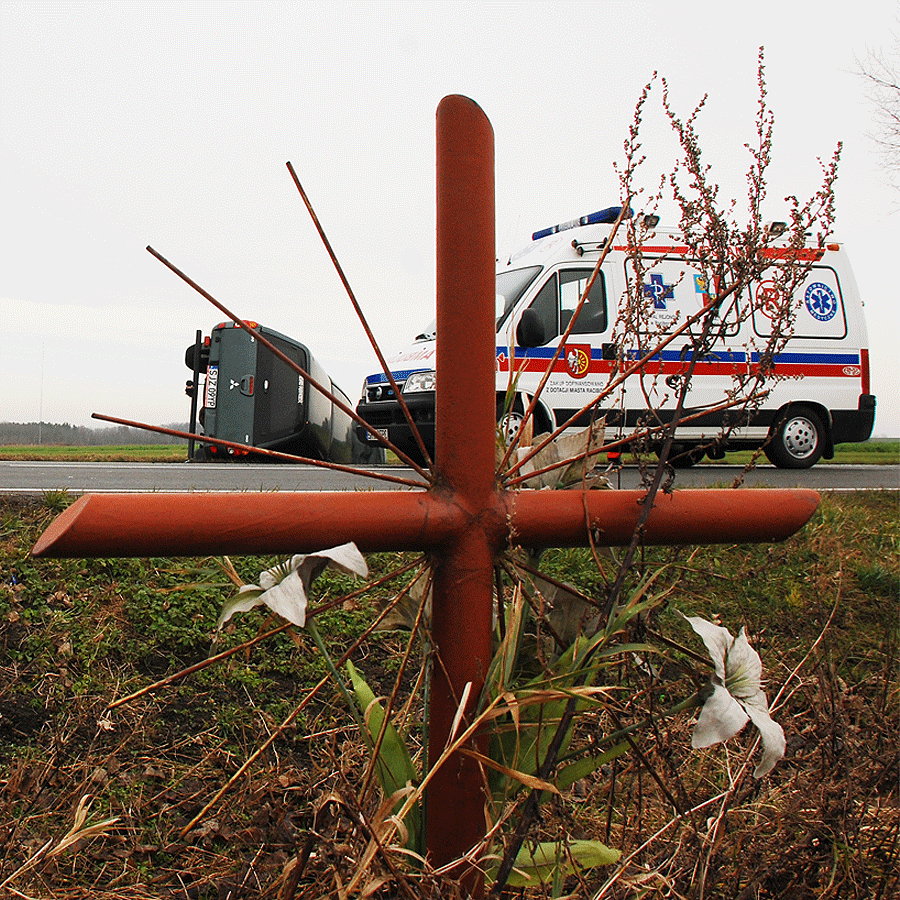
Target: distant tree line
80 436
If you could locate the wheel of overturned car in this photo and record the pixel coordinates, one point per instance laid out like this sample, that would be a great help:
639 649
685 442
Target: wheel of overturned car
798 439
190 355
683 456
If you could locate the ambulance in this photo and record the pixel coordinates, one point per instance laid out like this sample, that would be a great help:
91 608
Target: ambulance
820 395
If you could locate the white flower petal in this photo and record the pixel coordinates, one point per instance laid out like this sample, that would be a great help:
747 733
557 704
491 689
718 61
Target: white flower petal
771 732
346 557
246 598
279 572
283 587
743 669
737 695
288 599
721 718
718 641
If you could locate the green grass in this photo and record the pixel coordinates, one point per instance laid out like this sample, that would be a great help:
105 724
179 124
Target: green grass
77 634
881 453
129 453
870 453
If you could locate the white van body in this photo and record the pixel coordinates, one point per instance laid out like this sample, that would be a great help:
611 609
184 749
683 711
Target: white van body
820 397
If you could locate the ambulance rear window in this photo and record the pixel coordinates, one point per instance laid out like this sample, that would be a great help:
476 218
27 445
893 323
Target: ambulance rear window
818 305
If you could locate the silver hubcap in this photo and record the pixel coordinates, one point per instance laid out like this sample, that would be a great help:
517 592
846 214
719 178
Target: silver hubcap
510 426
800 437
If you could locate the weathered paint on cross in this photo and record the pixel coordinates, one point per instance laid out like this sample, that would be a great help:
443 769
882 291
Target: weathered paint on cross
465 520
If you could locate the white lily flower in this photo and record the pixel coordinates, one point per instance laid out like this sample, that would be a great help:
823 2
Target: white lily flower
283 587
736 695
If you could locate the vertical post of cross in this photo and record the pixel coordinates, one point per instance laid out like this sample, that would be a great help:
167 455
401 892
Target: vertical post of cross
464 459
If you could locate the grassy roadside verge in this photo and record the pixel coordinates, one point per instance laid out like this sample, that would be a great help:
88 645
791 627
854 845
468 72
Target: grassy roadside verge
870 453
881 453
136 453
76 634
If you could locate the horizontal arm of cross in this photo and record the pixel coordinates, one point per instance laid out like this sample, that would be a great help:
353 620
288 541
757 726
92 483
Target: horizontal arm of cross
198 524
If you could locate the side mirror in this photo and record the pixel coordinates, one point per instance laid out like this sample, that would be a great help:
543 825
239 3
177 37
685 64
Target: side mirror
530 330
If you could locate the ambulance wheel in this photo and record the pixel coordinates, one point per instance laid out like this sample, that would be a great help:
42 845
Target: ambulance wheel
510 423
797 441
509 426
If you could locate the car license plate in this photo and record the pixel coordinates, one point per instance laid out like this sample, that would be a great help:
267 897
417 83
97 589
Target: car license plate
212 387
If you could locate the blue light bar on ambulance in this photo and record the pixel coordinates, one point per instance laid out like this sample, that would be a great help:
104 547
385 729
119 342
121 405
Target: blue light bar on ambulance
601 217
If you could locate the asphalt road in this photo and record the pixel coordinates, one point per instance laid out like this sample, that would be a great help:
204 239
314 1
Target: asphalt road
36 478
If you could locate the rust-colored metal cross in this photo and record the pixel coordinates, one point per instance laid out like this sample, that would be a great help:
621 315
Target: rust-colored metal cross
465 519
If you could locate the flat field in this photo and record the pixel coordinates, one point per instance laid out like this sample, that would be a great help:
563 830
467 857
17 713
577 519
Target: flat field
77 636
127 453
881 452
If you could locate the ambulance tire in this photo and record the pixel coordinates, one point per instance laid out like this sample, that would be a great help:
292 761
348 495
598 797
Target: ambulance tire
798 439
512 421
509 425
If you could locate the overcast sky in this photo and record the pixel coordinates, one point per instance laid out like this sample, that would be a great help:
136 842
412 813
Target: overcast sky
170 123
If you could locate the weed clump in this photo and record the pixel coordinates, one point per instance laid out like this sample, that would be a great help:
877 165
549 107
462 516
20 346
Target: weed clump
77 635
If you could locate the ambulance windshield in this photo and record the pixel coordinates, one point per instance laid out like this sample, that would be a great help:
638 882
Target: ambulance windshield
510 287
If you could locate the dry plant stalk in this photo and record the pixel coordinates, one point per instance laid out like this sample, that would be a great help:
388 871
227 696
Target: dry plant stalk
353 845
78 833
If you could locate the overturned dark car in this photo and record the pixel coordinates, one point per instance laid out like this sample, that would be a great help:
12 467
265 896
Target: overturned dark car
250 396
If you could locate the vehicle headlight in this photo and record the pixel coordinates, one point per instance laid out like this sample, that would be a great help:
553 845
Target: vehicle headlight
420 381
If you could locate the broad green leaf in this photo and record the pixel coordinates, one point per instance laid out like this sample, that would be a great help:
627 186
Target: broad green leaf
393 764
500 671
637 603
567 775
538 864
524 747
245 599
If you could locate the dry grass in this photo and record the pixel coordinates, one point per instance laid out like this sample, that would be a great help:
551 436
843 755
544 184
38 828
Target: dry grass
693 824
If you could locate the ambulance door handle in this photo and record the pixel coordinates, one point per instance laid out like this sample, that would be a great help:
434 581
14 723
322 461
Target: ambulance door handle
609 350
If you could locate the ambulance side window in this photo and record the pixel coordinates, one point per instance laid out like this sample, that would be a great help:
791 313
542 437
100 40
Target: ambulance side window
546 305
557 299
592 318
